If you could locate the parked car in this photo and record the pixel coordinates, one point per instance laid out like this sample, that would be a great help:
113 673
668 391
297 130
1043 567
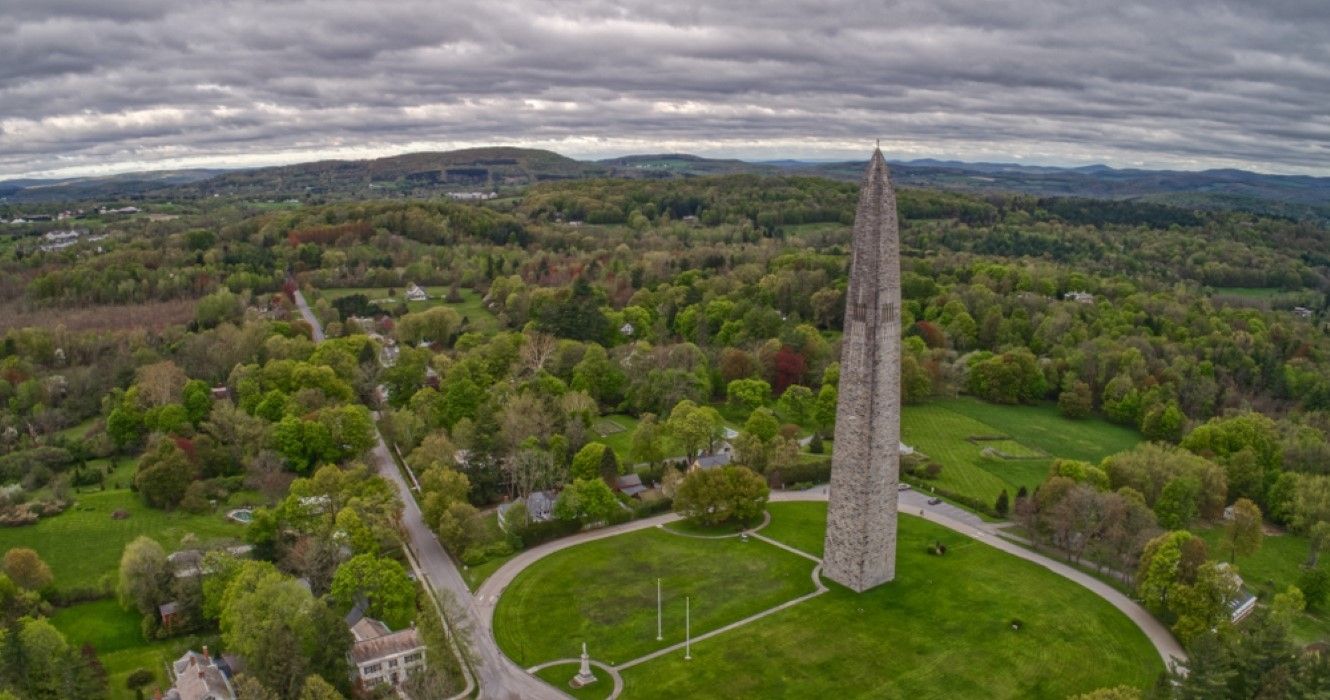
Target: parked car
934 501
902 487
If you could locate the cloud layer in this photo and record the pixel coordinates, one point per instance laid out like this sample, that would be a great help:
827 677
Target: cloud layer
89 86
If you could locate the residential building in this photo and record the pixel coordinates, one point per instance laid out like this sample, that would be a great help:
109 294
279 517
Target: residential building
710 461
378 655
415 293
198 676
630 485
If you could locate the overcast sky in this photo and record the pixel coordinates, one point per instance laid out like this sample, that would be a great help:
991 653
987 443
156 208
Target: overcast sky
95 86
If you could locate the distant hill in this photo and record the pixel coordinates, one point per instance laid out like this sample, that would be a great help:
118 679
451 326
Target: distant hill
506 169
107 186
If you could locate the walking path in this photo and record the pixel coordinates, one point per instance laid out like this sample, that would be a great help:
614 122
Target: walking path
946 515
472 616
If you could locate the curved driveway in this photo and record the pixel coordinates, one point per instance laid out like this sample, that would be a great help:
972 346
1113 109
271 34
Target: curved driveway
950 517
472 617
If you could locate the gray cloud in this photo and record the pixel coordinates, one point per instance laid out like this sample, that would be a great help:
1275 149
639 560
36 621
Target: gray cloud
98 87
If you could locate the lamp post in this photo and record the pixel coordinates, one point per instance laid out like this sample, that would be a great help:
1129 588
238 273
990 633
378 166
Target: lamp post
687 629
659 636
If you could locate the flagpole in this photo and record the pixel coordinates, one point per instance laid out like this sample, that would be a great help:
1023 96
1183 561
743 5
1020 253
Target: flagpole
659 636
687 629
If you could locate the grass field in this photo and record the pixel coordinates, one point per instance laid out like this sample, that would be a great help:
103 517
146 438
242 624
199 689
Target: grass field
114 633
940 429
83 544
558 676
1271 570
604 593
941 630
471 308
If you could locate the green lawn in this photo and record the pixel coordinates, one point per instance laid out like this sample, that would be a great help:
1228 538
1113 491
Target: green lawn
941 430
558 676
604 593
114 633
1042 427
1273 568
83 544
941 630
480 318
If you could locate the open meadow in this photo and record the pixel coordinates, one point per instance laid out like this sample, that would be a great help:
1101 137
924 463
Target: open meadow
480 319
83 544
984 448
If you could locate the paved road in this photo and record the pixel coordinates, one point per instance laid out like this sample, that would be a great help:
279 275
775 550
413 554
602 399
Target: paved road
911 502
309 316
498 676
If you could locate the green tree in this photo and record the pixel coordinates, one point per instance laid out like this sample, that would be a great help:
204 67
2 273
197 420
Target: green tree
693 426
762 424
318 689
24 567
825 411
1161 566
1242 532
598 376
124 425
1163 423
283 632
648 444
197 401
587 461
1075 400
1221 438
714 496
249 688
748 393
219 307
796 404
1204 604
1176 506
433 325
164 473
383 582
586 500
145 575
1003 504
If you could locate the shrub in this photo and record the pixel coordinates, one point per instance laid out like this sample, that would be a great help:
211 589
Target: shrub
139 678
932 470
818 472
815 444
534 533
474 556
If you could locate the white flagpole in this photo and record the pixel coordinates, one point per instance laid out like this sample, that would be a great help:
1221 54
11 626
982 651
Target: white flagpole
687 629
659 636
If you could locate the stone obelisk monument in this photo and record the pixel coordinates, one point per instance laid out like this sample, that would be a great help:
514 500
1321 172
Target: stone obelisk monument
860 550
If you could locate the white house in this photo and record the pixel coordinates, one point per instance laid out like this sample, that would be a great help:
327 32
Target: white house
1079 297
415 293
379 655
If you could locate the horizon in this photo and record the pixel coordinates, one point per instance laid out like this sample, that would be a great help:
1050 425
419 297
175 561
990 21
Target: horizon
142 85
266 161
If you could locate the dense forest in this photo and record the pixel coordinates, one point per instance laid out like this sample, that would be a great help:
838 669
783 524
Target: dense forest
686 306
